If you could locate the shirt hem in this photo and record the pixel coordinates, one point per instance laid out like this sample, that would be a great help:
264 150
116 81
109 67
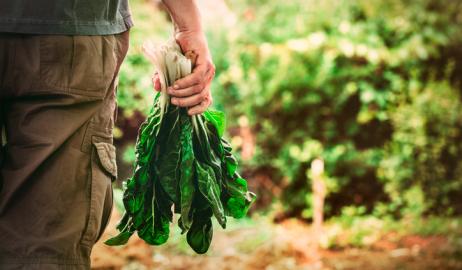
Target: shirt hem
65 28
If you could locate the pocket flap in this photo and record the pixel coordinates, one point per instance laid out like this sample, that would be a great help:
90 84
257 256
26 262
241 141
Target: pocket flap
107 156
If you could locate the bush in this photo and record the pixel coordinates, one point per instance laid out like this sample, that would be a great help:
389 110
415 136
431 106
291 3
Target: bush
369 86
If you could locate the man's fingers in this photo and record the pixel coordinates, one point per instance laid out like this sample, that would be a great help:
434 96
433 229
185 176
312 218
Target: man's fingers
200 108
189 101
156 82
186 92
202 73
210 73
195 89
194 78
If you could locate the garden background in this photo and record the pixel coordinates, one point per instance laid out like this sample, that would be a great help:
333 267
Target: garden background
352 107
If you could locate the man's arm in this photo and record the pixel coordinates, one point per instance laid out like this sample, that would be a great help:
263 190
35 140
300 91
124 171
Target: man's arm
192 91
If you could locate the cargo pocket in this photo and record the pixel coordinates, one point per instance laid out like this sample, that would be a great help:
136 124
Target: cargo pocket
103 173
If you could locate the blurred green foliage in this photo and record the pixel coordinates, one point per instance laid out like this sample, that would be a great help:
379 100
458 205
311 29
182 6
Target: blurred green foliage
355 228
135 86
371 87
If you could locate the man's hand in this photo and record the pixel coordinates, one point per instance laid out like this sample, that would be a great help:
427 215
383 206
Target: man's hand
192 91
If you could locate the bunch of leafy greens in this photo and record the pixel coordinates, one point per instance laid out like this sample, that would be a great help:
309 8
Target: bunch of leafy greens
183 161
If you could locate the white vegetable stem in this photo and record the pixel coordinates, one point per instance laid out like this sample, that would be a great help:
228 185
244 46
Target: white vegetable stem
171 65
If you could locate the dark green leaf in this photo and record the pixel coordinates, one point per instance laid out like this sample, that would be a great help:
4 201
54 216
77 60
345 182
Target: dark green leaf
217 118
200 234
187 188
120 239
210 189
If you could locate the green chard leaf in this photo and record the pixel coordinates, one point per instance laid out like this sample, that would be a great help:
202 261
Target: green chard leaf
200 234
240 198
120 239
168 166
217 118
187 188
211 190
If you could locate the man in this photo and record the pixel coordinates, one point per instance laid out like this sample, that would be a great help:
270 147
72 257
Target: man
59 62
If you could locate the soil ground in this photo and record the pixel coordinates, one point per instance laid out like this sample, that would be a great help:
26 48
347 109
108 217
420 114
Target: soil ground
288 245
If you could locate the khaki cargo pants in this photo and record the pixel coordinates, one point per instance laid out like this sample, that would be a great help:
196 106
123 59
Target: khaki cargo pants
57 109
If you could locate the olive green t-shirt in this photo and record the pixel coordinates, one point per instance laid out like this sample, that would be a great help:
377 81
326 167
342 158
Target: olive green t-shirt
65 17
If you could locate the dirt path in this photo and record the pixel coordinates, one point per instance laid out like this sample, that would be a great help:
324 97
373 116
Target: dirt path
286 246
